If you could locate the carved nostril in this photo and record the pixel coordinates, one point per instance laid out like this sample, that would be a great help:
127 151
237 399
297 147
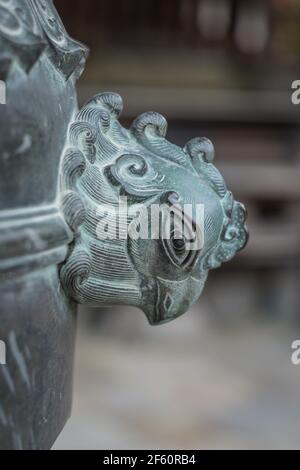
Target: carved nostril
168 302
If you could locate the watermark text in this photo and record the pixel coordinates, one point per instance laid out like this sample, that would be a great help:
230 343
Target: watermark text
2 353
2 92
295 358
157 221
295 97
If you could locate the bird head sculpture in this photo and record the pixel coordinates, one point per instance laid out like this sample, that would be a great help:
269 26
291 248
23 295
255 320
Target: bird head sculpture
149 219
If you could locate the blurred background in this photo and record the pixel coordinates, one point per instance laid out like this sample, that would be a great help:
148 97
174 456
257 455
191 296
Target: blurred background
221 376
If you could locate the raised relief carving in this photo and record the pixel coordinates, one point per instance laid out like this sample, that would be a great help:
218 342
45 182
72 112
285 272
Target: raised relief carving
108 170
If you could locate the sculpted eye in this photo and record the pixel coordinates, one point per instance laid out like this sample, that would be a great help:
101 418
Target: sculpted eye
178 243
178 252
181 237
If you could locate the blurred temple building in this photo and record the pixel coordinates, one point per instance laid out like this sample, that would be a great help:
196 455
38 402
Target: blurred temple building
222 69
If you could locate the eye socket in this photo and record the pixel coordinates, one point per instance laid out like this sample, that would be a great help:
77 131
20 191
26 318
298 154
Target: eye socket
178 243
181 244
178 251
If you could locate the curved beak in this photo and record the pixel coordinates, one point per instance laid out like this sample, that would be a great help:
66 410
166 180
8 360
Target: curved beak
173 298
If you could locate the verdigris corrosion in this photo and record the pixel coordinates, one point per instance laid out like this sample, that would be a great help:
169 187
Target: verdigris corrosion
103 162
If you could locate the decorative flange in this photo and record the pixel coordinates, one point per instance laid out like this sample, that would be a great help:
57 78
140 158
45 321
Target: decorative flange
29 28
114 183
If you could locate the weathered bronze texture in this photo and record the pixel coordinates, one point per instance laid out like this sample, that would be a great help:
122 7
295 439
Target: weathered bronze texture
59 166
104 162
39 65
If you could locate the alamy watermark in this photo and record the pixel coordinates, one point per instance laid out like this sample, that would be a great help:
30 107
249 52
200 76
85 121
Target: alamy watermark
183 223
2 92
295 97
295 357
2 353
